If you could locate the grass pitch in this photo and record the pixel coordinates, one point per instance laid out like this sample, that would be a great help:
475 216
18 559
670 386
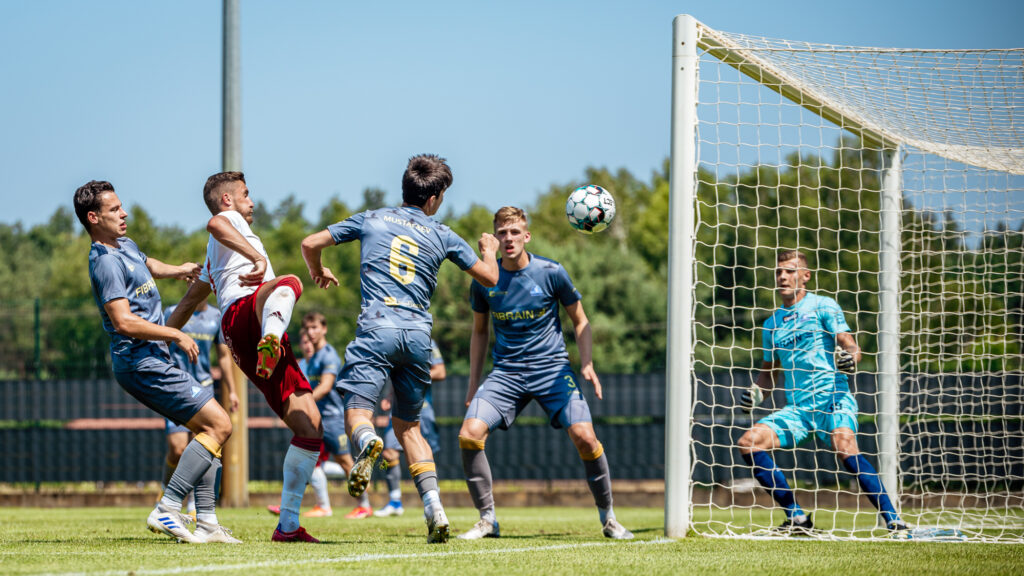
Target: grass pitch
114 541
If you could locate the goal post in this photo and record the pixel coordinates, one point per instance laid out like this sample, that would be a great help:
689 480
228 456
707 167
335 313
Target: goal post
900 173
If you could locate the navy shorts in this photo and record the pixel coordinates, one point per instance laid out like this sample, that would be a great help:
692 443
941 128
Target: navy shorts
165 389
404 355
505 393
428 427
334 434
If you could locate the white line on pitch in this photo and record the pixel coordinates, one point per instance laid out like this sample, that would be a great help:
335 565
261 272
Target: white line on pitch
352 559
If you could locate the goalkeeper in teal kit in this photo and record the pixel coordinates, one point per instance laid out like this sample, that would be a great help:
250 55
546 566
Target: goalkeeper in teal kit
808 339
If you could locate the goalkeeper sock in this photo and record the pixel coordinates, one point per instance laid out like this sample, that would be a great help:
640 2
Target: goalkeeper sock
871 484
774 481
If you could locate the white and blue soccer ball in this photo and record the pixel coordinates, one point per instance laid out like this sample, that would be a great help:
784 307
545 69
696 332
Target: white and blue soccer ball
590 209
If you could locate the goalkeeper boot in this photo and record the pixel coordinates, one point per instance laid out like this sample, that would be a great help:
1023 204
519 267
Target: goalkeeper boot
362 470
793 528
482 529
163 520
268 352
437 528
612 529
208 533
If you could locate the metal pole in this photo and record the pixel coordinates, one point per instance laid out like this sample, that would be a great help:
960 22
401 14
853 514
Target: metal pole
889 326
682 184
231 151
235 479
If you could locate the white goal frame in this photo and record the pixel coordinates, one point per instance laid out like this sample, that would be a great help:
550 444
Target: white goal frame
689 38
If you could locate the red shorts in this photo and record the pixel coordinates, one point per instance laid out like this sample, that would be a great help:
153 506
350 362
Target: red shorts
242 332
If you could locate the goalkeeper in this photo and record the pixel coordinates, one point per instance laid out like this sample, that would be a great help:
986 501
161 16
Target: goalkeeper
799 339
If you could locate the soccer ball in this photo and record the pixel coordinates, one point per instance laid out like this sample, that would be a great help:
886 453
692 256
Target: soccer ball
590 209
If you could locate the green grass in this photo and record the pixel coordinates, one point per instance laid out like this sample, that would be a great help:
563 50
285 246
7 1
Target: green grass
535 541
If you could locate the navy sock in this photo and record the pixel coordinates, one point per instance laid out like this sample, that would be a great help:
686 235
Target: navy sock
871 484
769 475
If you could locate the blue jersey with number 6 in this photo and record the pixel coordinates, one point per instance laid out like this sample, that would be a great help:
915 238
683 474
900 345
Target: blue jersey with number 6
401 250
802 338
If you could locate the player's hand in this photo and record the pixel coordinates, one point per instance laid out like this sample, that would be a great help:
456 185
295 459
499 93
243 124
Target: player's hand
470 393
325 278
187 345
233 402
845 361
255 276
590 376
751 397
189 272
488 243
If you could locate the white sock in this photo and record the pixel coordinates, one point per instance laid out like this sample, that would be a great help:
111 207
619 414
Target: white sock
208 518
318 480
190 502
298 467
364 500
395 495
431 502
277 311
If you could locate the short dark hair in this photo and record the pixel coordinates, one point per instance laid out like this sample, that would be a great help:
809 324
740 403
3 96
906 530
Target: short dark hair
786 255
312 317
426 175
87 199
213 183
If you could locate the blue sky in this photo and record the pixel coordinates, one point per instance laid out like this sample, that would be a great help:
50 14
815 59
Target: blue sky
337 95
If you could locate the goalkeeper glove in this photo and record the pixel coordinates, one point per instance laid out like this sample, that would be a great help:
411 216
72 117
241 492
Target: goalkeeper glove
844 361
751 397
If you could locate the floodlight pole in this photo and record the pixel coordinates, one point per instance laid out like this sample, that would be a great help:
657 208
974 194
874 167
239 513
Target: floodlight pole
682 188
235 479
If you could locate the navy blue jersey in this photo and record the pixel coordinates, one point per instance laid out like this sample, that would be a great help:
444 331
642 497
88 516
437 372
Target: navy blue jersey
122 273
524 310
325 361
204 328
802 338
401 251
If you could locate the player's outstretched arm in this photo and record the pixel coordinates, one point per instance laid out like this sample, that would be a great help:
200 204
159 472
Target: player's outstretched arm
128 324
478 341
222 231
188 271
227 369
485 271
195 294
848 353
584 343
312 246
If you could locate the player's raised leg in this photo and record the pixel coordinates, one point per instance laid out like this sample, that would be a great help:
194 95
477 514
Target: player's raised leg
274 303
599 479
363 436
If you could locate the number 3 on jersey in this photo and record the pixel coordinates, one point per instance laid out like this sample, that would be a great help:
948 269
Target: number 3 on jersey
402 267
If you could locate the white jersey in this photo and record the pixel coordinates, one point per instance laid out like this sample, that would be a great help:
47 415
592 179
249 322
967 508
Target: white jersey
223 265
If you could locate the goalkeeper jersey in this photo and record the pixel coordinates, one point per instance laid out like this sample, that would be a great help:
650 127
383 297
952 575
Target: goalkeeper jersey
802 338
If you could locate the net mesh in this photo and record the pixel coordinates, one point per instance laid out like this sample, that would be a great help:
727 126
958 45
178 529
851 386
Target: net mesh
793 142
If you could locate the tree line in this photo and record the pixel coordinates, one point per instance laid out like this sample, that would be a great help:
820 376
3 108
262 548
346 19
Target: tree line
825 206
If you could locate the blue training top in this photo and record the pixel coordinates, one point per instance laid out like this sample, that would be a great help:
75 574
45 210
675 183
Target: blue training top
803 338
325 361
122 273
524 310
204 328
401 251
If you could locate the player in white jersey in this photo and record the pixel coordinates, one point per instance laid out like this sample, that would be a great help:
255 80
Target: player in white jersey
256 308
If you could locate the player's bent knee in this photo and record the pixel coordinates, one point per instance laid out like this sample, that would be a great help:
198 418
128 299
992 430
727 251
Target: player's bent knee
590 453
212 446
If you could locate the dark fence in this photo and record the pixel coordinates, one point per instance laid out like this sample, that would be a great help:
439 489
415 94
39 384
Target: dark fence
956 430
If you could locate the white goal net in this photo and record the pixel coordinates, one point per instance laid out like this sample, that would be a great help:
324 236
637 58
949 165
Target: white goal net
900 174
